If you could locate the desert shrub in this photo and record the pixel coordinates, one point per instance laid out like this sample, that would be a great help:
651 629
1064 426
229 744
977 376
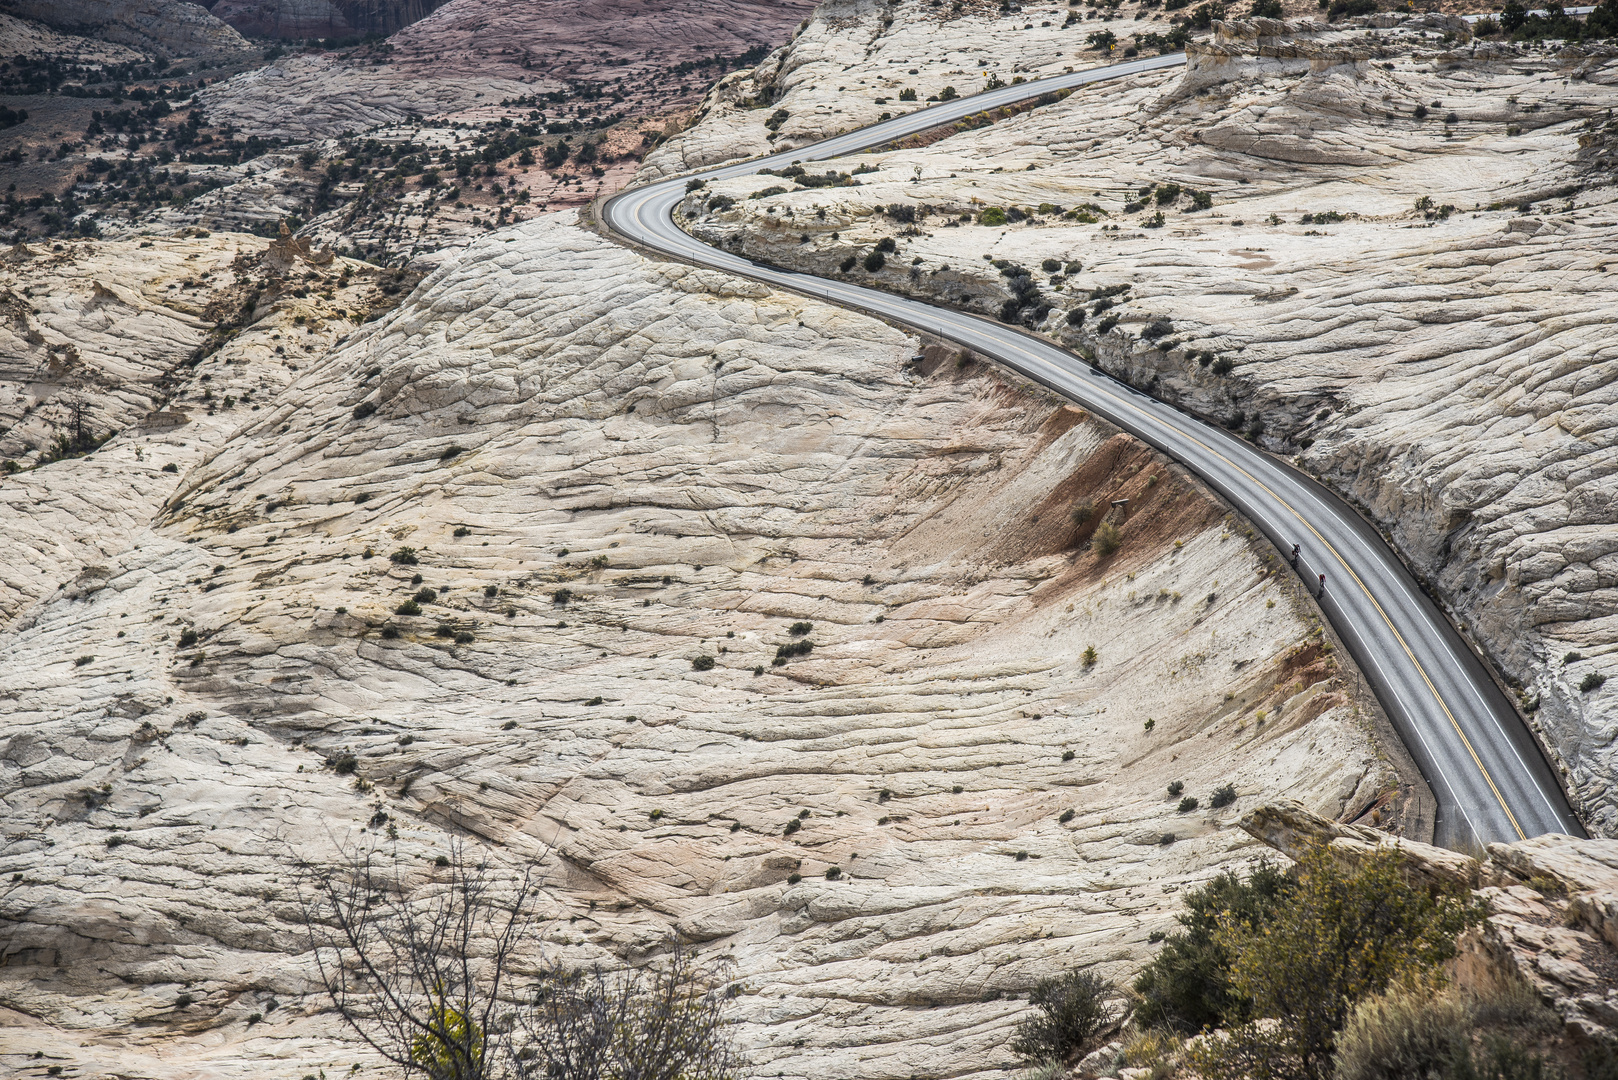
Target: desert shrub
561 597
364 409
1348 9
1073 1009
949 93
718 203
1187 987
1106 324
1175 787
463 637
874 261
1406 1034
1200 200
774 189
887 245
1167 193
1344 935
188 638
1266 9
796 648
1075 317
1089 656
798 629
1107 539
1159 328
994 215
702 663
1223 366
170 467
409 607
1591 682
1051 266
1188 804
1066 816
390 632
1223 796
695 185
848 264
405 556
905 215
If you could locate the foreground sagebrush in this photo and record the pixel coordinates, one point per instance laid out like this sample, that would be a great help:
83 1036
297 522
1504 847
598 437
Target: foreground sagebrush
423 967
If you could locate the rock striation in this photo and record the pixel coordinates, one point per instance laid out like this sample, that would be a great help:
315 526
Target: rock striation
166 28
299 19
1379 247
602 469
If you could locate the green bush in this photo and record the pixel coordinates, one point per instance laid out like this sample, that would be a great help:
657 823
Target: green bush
1343 935
1591 682
994 215
409 607
1073 1010
702 663
1187 987
848 264
1107 539
1266 9
798 629
1408 1034
405 556
907 94
1083 511
1348 9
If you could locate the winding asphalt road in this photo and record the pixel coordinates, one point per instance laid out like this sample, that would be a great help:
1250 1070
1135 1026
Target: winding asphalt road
1486 772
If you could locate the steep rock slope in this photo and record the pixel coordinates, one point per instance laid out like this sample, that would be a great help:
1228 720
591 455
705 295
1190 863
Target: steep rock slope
606 468
1401 278
166 28
635 57
299 19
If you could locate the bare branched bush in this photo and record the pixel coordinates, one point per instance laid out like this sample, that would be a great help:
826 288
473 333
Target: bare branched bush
421 960
662 1023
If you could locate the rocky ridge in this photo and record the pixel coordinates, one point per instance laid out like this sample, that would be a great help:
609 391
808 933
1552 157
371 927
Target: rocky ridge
1447 367
595 495
1551 903
167 28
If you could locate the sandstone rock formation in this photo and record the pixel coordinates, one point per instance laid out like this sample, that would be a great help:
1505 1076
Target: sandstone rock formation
635 57
607 467
167 28
1552 903
1400 279
300 19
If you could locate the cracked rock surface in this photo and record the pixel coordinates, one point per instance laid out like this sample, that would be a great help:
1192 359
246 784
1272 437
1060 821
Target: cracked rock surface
604 469
1401 277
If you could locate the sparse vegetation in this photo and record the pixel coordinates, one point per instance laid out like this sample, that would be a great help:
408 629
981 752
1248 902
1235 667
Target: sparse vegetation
405 556
1225 795
1072 1011
429 982
1592 681
1108 538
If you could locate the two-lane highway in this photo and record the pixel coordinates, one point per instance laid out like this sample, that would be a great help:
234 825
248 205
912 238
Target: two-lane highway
1487 773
